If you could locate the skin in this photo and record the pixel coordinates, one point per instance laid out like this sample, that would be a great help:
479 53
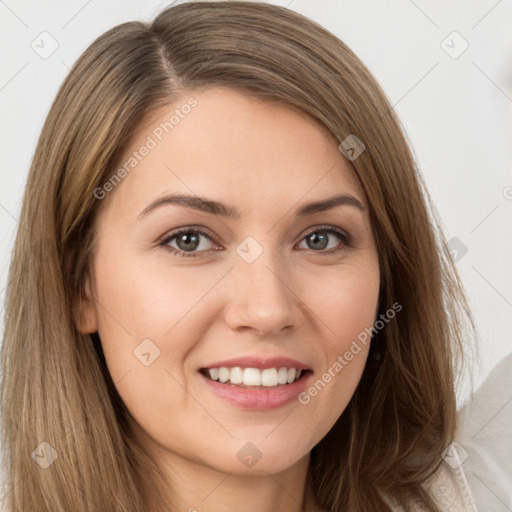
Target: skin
265 159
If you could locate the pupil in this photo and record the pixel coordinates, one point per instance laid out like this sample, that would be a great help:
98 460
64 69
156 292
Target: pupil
186 239
322 239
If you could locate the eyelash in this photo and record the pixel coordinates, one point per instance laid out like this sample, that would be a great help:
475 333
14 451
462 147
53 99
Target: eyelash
323 229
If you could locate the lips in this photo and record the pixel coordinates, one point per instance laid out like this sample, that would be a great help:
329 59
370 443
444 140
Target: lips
256 371
256 383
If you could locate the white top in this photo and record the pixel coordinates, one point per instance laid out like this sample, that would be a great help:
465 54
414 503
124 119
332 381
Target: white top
448 487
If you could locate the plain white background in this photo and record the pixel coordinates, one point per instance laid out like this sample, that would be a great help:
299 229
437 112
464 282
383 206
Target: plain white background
445 66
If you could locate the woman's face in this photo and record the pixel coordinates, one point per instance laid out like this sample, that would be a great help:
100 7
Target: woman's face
256 286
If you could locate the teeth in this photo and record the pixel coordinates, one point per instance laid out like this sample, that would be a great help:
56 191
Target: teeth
269 377
236 376
254 376
224 374
282 376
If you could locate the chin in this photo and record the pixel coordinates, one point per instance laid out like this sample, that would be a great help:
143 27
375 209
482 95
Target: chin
260 456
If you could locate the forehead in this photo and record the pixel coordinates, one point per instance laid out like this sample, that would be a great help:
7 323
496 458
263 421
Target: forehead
233 147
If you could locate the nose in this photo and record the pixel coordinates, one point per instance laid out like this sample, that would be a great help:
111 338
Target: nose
263 297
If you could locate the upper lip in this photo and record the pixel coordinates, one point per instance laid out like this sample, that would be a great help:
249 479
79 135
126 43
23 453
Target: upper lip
259 362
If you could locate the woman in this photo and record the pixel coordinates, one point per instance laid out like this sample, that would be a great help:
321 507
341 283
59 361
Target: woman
228 292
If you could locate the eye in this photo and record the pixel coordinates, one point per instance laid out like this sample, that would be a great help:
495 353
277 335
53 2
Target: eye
187 241
319 239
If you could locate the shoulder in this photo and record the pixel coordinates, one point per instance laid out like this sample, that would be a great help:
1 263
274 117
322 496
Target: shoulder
447 487
484 439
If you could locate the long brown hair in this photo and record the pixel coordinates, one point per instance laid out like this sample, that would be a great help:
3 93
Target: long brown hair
56 388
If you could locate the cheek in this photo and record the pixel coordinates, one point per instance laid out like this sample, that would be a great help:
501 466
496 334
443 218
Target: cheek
150 319
345 301
138 301
346 306
146 316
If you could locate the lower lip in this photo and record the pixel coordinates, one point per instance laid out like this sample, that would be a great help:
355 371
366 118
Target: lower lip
260 399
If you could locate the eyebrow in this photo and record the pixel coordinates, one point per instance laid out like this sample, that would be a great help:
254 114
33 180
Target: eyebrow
217 208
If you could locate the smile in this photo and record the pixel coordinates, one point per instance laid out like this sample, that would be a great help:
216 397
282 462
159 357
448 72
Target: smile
253 377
